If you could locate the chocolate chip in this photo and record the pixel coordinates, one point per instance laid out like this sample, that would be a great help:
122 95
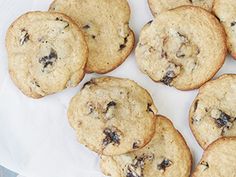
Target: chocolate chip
86 27
223 120
205 164
49 59
191 1
149 108
164 164
112 136
233 24
24 37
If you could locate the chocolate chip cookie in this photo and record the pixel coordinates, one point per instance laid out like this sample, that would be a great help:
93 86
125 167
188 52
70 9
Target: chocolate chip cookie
183 47
159 6
225 10
106 27
112 116
166 155
213 112
47 53
218 160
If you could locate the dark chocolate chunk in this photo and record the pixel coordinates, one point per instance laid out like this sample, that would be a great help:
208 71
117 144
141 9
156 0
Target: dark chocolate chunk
191 1
24 37
109 105
195 105
205 164
86 27
150 22
136 145
163 54
132 173
112 136
59 19
149 108
93 36
233 24
164 164
223 120
168 78
136 168
49 59
88 83
122 46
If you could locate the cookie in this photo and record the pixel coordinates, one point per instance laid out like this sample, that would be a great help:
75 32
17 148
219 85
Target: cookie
167 155
47 53
159 6
112 116
213 112
106 27
225 10
183 47
218 160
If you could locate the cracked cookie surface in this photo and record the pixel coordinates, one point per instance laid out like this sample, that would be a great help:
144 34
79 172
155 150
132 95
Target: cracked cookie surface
106 27
213 112
166 155
225 10
218 160
46 52
112 116
183 48
159 6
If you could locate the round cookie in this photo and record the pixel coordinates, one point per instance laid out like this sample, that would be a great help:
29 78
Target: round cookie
213 112
106 27
159 6
166 155
47 53
225 10
112 116
218 160
183 47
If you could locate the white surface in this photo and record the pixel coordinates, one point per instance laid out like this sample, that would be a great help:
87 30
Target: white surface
35 137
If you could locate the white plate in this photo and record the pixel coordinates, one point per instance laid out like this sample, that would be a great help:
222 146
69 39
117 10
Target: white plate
35 137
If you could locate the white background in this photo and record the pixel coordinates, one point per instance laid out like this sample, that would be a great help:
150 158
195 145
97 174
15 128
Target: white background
35 137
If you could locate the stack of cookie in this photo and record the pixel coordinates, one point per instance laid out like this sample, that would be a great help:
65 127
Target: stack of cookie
118 119
184 47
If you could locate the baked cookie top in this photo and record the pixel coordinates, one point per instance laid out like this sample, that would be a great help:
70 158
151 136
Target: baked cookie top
218 160
106 27
112 116
159 6
183 47
47 53
225 10
213 112
166 155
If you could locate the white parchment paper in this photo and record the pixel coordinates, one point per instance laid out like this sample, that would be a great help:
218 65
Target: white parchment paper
35 137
